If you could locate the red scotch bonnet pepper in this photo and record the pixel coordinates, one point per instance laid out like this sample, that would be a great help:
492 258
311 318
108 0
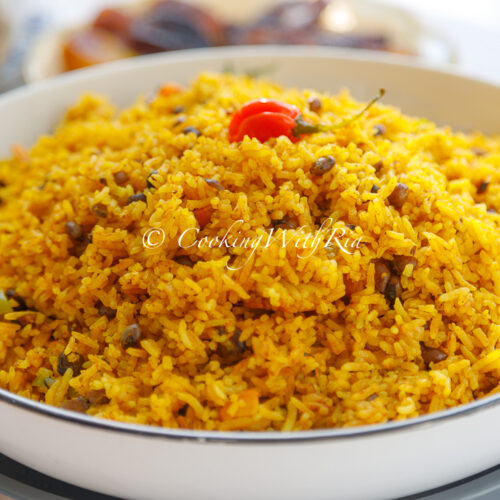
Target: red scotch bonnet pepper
265 118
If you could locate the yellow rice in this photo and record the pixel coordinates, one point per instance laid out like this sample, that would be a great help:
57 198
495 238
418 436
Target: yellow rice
312 359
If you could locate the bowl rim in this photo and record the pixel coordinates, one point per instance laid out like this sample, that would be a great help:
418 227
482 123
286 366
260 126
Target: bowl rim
248 51
242 437
247 437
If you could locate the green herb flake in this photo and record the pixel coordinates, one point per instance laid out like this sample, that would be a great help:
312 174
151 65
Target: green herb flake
5 306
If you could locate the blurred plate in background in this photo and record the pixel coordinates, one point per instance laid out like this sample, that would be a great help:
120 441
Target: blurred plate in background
346 23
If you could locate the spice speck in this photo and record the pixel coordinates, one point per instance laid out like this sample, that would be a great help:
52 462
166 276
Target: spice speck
399 195
136 197
216 184
483 187
73 230
382 276
192 130
379 129
432 355
315 104
131 336
322 165
120 177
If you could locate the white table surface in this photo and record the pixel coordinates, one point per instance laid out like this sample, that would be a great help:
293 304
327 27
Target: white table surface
472 26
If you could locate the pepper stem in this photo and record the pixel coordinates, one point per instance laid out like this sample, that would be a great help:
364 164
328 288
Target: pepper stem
302 127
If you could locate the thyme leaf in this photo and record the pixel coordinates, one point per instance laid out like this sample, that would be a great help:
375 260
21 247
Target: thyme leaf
303 127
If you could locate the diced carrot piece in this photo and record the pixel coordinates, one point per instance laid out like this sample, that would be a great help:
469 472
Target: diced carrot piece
352 287
19 153
246 405
170 89
255 303
203 215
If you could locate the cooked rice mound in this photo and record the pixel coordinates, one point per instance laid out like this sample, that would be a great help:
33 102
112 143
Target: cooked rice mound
282 342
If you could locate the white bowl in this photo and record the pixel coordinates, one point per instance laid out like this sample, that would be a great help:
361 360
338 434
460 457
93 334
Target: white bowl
381 461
